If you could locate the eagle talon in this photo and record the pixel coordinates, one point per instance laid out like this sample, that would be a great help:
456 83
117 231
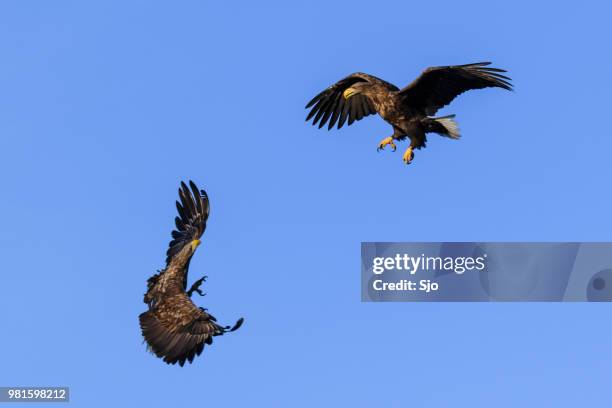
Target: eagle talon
408 155
196 287
386 141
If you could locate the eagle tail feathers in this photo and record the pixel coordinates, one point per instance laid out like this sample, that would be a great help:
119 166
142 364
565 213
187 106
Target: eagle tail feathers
444 126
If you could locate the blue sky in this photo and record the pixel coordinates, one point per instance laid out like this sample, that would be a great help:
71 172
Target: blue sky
105 106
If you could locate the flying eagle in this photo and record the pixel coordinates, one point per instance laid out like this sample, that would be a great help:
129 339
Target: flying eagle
408 110
174 328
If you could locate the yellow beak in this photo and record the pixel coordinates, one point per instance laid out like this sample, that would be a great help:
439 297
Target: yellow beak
195 243
348 93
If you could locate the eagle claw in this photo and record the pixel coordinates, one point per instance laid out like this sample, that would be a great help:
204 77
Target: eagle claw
385 142
196 287
408 155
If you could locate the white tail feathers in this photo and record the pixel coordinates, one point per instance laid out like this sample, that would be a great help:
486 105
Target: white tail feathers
451 127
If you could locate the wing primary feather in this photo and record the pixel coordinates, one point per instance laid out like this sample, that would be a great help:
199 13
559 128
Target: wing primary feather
473 64
314 110
181 211
316 98
206 202
343 115
365 107
187 200
322 110
352 112
329 110
337 110
197 197
179 224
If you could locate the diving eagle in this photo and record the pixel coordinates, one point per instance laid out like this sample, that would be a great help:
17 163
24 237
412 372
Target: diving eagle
174 328
408 110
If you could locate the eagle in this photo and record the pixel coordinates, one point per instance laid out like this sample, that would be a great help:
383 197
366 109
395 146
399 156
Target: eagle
409 110
174 328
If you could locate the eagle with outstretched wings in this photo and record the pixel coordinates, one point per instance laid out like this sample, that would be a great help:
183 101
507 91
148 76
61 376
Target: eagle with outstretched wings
174 328
409 110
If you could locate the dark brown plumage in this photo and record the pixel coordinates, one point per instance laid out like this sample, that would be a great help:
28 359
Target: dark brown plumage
174 328
408 110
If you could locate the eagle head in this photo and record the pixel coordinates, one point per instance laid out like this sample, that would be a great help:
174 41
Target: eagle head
194 244
354 89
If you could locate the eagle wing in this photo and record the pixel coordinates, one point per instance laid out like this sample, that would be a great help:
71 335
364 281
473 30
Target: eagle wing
331 105
193 209
438 86
178 330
